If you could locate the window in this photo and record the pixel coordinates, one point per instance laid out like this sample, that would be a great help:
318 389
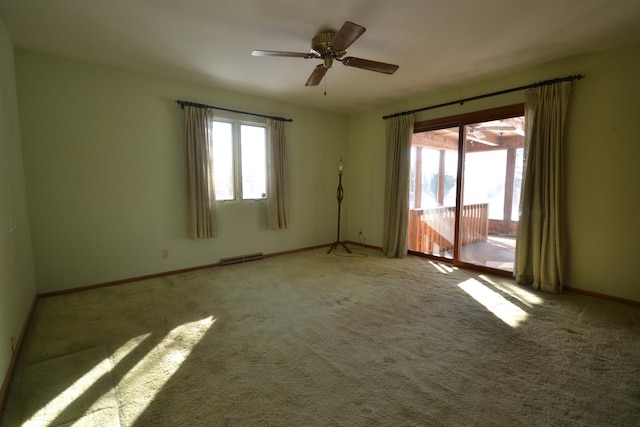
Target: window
239 160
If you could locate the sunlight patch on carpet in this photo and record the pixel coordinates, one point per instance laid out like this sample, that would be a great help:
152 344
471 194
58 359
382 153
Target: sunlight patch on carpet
516 291
503 309
147 378
443 268
54 408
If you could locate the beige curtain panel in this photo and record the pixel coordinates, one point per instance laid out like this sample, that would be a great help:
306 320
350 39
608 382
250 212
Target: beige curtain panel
540 247
399 131
201 194
277 176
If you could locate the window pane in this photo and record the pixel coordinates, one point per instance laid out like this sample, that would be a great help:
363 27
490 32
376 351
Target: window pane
434 171
430 171
412 178
517 185
491 184
254 159
223 160
450 177
484 180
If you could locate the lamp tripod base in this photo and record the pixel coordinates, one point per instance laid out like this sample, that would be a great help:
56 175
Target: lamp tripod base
335 247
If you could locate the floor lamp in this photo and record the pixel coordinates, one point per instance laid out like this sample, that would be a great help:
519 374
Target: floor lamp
340 195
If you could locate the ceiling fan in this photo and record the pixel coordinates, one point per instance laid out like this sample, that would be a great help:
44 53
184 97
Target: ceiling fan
477 130
331 46
476 134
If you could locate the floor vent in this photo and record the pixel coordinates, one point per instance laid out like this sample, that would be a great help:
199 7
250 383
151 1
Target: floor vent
242 258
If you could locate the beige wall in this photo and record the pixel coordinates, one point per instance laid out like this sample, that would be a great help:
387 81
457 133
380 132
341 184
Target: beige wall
105 170
602 153
105 173
17 282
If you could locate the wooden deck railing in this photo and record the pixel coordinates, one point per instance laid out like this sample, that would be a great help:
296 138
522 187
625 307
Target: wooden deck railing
432 230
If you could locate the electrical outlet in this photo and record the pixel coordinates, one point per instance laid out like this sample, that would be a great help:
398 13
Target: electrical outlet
14 344
165 253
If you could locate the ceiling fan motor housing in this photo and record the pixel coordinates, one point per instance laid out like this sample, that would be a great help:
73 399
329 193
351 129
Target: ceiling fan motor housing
321 45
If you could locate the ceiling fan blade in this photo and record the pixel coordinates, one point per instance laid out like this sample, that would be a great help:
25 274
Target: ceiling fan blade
317 75
506 127
346 35
280 53
482 141
366 64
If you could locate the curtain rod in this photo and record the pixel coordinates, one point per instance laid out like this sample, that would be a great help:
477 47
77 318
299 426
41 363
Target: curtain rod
195 104
487 95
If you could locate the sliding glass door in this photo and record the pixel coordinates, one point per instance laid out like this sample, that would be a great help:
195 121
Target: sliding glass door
465 188
432 197
492 176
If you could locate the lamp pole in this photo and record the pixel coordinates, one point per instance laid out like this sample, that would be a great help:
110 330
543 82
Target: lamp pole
340 196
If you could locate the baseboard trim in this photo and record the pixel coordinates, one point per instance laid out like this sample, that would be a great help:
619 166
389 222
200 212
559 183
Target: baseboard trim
123 281
602 296
158 275
6 384
295 251
364 245
274 254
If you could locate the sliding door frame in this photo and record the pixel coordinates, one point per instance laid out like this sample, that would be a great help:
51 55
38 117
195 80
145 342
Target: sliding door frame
460 121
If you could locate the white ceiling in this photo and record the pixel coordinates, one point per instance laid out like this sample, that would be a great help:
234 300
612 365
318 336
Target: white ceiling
437 43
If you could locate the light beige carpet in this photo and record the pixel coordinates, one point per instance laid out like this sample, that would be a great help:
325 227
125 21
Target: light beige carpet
323 340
